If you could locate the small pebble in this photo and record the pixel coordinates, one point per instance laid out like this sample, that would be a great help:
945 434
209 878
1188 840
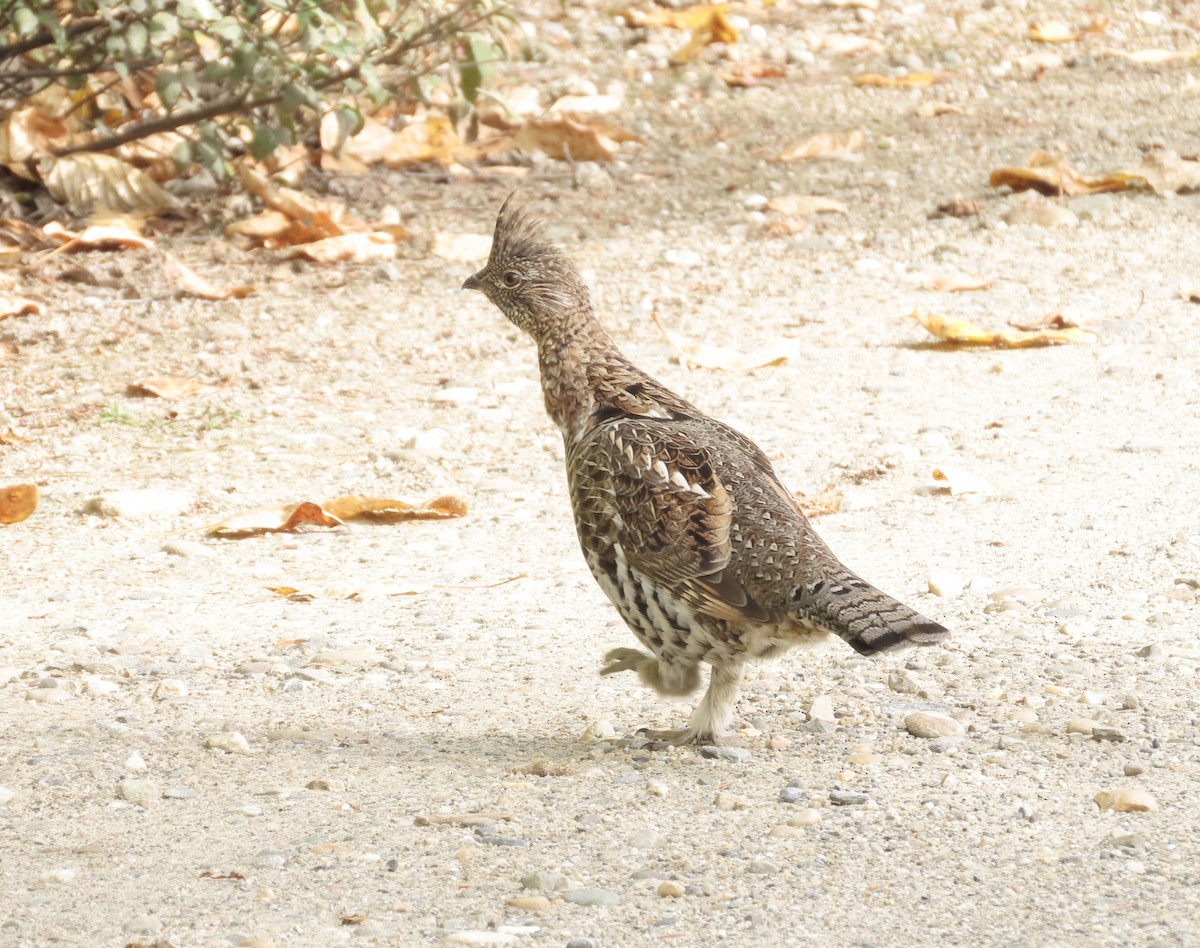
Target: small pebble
926 725
135 762
945 583
847 798
724 800
806 817
736 755
231 742
543 881
784 831
169 688
1105 732
778 742
762 867
793 795
1081 726
59 876
137 790
821 708
6 795
600 730
136 504
1126 800
671 890
1134 770
332 784
592 897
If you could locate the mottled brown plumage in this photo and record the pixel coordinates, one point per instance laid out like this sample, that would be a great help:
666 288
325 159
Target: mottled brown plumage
682 520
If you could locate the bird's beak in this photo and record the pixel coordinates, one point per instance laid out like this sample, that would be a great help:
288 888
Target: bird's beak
473 282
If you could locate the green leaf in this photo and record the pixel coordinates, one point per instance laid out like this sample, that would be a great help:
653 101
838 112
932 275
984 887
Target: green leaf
137 39
182 154
350 121
245 57
202 10
168 87
228 28
267 138
52 23
164 28
216 71
375 89
478 67
26 22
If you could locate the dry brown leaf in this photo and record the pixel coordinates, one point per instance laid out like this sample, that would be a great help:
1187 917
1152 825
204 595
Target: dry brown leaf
431 139
13 304
566 138
272 229
1049 321
272 519
349 248
744 77
958 283
1187 294
10 437
962 333
357 919
700 355
707 21
461 248
1052 175
802 205
95 183
1052 31
168 386
187 282
829 501
840 146
382 510
117 233
912 80
17 502
307 211
25 135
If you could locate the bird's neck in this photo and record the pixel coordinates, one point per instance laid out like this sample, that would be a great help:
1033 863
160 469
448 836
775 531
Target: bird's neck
576 365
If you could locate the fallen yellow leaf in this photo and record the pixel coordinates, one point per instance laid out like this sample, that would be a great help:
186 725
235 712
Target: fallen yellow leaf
348 248
962 333
1052 175
912 80
17 502
187 282
383 510
842 146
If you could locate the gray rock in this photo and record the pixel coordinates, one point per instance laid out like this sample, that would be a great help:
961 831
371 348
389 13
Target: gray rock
793 795
137 789
1105 732
584 943
592 897
179 793
1156 652
500 841
142 925
543 881
817 726
735 755
945 745
847 798
762 867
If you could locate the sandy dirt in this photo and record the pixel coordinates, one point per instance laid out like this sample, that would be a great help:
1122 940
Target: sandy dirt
417 747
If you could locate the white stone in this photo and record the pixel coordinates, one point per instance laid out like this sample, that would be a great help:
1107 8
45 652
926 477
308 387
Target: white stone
926 725
945 583
1126 800
821 708
135 762
231 742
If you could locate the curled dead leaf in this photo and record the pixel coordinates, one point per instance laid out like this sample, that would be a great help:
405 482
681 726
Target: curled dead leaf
96 183
117 233
187 282
17 502
169 387
566 138
959 332
281 518
381 510
13 304
306 210
1052 175
840 146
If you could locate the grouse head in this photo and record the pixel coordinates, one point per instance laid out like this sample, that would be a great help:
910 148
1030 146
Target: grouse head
531 281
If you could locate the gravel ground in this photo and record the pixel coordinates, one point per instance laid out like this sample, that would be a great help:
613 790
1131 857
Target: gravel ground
414 750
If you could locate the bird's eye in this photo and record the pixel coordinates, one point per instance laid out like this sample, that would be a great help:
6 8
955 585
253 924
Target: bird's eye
511 278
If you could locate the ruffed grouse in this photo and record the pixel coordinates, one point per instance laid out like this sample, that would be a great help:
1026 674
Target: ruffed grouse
683 521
